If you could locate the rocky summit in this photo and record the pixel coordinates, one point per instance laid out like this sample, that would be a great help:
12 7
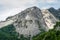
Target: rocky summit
31 21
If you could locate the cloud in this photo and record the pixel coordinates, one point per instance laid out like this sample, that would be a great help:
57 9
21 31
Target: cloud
17 3
12 7
23 3
8 12
47 1
51 1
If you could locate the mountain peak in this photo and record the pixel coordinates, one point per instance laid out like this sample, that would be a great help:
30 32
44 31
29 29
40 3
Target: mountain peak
32 8
51 8
32 21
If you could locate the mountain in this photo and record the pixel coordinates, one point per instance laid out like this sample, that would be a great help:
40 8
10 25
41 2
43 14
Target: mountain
55 12
49 18
31 21
53 34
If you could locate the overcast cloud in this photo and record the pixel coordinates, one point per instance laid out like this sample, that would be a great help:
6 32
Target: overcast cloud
12 7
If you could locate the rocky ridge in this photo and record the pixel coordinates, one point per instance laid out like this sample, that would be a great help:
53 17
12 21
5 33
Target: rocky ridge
31 21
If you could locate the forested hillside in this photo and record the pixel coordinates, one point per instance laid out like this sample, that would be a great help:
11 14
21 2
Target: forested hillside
53 34
9 33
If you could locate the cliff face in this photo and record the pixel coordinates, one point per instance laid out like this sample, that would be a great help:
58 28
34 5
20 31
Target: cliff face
32 21
55 12
49 18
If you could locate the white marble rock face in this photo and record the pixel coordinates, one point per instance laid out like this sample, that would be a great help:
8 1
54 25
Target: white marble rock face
29 22
27 26
49 19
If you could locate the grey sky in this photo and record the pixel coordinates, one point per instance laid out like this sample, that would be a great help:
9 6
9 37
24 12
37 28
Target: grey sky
12 7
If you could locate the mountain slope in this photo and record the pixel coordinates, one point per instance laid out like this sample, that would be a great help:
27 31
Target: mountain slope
31 21
53 34
49 18
55 12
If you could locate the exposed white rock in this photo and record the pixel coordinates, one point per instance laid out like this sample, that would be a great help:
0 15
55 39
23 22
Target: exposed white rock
5 23
31 21
49 19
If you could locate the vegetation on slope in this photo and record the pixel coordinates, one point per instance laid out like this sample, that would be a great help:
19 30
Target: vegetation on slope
53 34
9 33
